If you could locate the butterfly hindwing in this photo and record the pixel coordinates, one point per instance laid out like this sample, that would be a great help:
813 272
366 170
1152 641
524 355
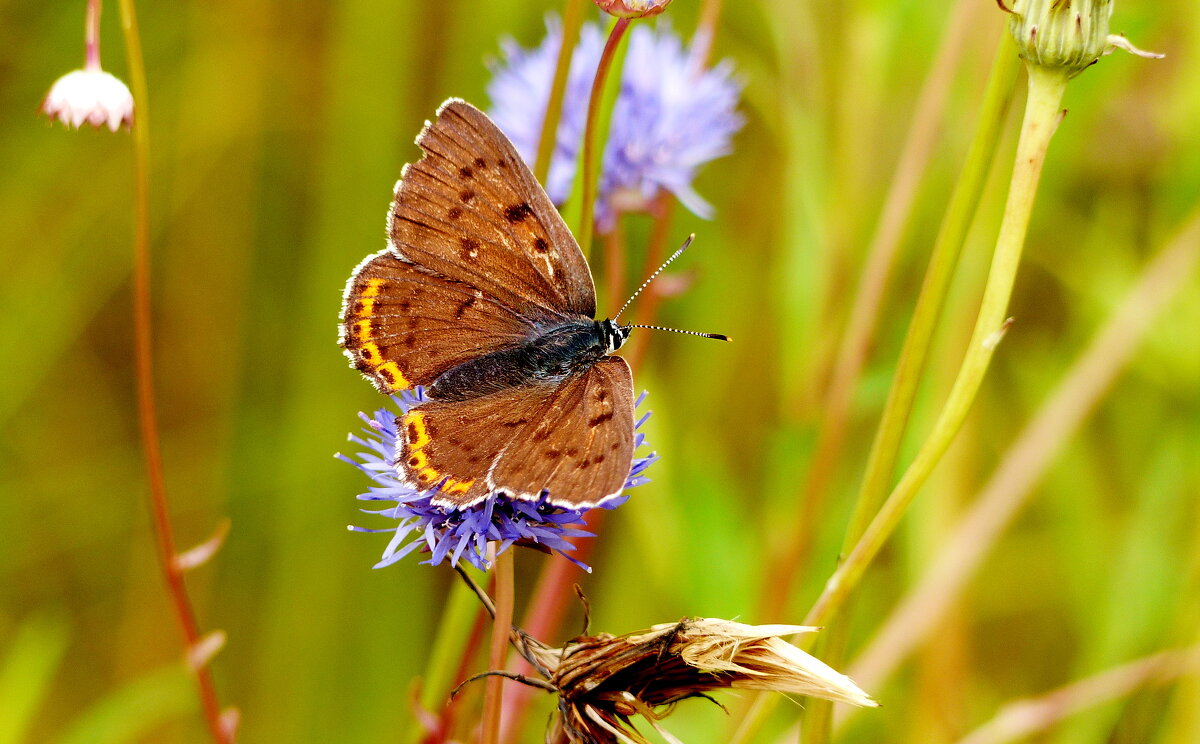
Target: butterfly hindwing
472 211
402 326
581 447
574 440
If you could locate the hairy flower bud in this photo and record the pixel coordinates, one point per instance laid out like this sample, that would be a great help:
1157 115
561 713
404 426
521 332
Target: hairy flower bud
1065 35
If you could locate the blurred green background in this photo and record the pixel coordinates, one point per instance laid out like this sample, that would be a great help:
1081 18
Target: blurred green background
277 130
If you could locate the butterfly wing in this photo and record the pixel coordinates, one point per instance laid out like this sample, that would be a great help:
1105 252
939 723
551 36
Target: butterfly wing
471 210
574 440
402 326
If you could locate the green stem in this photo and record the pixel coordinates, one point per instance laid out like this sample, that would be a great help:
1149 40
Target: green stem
943 260
592 140
501 630
572 22
1041 118
144 372
885 450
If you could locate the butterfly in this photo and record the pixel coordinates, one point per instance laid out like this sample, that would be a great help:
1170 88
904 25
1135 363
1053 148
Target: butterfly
484 299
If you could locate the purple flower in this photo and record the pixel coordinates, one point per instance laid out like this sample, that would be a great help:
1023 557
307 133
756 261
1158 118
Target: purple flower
453 533
670 117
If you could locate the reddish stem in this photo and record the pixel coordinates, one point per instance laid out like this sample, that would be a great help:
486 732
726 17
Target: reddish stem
144 372
590 161
91 36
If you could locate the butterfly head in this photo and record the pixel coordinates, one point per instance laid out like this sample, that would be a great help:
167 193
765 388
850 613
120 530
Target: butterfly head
614 335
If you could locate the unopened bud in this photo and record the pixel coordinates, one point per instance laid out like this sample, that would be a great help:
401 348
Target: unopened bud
1066 35
632 8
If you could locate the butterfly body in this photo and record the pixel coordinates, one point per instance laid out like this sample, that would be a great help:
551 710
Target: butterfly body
485 300
548 359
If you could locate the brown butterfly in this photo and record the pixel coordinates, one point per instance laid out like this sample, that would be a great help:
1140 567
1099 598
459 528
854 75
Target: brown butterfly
484 298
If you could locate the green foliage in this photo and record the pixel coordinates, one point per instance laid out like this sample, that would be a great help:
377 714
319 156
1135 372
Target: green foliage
279 129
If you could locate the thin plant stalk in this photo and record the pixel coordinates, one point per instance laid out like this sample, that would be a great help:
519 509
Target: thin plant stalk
706 32
885 449
1022 719
868 301
1029 457
592 142
451 642
144 372
647 313
614 266
943 259
502 570
1042 115
572 22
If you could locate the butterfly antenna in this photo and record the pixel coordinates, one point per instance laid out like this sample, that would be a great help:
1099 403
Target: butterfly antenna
717 336
658 271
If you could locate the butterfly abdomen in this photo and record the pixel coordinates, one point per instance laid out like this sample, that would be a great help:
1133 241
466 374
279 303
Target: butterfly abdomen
548 358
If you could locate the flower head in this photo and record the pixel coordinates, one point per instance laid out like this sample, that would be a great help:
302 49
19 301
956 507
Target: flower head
90 96
452 533
603 681
669 119
633 8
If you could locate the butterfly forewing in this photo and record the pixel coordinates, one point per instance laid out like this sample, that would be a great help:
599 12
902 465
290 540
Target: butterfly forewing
470 210
573 440
402 326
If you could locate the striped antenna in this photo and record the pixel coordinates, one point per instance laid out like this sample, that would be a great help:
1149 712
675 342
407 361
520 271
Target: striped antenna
653 276
717 336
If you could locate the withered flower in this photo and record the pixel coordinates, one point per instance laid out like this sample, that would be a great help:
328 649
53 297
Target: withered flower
603 681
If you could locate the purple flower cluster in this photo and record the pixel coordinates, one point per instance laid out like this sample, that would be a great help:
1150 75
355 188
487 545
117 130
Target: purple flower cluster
452 533
671 115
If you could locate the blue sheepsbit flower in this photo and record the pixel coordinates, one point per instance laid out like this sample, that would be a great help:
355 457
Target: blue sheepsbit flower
452 533
669 119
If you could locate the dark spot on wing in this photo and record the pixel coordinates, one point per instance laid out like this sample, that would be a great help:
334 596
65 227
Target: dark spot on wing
466 172
480 163
600 420
518 212
553 454
466 195
410 341
515 422
404 306
540 245
454 213
464 306
470 247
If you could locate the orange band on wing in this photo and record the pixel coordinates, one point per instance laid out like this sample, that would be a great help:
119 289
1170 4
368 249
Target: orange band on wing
390 371
452 486
373 287
418 435
365 307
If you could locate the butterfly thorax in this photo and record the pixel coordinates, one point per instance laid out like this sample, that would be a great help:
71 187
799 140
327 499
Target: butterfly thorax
549 358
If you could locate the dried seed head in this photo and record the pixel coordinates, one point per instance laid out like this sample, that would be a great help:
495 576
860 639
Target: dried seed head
604 680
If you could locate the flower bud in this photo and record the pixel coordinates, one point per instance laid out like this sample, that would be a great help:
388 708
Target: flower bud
632 8
1065 35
